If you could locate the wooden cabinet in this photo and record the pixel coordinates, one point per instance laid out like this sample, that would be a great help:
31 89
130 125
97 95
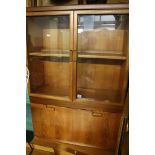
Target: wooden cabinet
76 126
78 62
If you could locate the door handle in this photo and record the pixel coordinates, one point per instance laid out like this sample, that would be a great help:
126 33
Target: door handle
97 114
51 107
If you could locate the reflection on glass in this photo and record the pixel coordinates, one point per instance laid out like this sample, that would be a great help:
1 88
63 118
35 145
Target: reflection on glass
48 44
98 79
102 42
48 34
102 33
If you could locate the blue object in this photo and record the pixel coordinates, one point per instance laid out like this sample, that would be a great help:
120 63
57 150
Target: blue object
29 125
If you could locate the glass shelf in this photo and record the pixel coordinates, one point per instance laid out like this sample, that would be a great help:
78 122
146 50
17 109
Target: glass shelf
100 56
83 54
49 54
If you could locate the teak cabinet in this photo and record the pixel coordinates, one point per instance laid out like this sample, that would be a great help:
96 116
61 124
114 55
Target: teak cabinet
78 62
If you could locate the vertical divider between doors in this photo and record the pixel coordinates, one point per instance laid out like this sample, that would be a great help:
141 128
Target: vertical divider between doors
71 53
74 55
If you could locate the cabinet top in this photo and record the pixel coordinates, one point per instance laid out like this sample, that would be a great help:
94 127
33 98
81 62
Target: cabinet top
78 7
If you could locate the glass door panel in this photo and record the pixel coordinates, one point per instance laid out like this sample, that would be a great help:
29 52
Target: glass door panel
101 55
102 34
98 80
48 44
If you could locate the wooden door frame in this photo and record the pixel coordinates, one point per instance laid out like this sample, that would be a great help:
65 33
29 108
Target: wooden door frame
93 12
53 13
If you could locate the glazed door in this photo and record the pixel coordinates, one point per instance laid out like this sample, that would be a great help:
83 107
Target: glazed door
101 40
49 48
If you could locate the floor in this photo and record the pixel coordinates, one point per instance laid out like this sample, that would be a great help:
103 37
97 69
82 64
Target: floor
38 152
68 151
28 114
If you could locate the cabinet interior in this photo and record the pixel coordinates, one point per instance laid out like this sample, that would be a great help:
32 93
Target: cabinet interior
101 56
